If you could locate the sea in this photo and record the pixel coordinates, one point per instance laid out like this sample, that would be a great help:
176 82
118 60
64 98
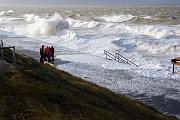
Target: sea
149 36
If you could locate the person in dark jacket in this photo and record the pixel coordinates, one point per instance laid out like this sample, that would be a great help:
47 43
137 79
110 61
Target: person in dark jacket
52 53
42 54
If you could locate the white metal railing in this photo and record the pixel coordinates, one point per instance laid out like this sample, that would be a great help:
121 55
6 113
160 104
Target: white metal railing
119 58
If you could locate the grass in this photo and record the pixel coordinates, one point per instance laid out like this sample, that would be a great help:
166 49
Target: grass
35 91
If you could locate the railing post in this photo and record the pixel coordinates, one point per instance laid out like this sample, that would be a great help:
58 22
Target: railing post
2 55
105 53
14 57
118 57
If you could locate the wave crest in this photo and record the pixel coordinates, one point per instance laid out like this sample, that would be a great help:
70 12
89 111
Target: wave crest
84 24
45 26
117 18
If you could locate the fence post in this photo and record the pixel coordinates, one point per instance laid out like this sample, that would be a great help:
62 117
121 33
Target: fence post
14 57
2 56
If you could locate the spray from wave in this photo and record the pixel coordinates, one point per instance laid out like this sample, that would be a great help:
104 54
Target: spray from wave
31 17
44 26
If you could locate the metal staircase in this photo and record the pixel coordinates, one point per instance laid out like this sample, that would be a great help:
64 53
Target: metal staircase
119 58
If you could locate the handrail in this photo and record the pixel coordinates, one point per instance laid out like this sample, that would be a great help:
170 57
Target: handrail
119 58
3 43
114 57
5 47
122 58
128 61
111 56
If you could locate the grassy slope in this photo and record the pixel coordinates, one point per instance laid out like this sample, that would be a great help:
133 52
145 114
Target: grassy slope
36 91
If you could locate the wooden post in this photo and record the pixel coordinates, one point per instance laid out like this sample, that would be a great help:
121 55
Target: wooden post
14 57
173 69
2 56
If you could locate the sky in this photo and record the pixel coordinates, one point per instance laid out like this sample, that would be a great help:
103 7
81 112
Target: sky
89 2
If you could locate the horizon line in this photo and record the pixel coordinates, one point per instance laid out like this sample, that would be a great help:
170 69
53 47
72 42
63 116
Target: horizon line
123 5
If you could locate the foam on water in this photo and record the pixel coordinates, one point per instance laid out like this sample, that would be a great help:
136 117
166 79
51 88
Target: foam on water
146 17
83 24
31 17
155 31
117 18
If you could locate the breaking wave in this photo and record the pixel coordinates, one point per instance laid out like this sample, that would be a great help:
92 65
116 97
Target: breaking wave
154 31
44 26
83 24
117 18
7 13
163 47
141 19
31 17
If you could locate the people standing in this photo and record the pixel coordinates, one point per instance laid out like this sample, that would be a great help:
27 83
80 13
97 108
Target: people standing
47 54
42 54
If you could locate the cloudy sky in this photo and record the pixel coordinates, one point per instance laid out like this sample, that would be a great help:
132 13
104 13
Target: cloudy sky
88 2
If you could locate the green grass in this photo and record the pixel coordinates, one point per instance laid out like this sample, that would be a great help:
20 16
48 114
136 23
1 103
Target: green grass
36 91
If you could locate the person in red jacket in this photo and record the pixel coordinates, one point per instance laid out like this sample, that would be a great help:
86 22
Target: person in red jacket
46 52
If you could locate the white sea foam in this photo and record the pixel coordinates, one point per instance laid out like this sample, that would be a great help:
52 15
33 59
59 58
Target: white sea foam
10 19
152 46
31 17
146 17
155 31
7 13
83 24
